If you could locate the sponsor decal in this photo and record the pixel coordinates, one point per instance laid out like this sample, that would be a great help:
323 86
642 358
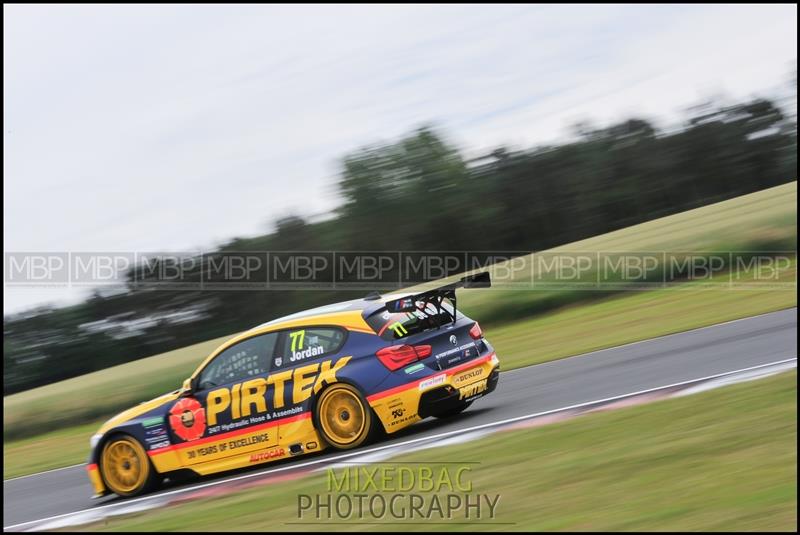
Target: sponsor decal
470 391
407 302
248 441
399 330
298 342
278 361
287 412
306 353
400 419
414 368
297 338
155 432
243 400
433 381
150 422
225 446
188 419
468 349
453 340
399 413
266 455
157 445
466 376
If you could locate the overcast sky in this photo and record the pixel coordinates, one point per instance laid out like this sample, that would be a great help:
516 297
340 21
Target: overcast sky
178 127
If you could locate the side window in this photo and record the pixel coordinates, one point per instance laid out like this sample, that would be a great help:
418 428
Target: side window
308 343
239 362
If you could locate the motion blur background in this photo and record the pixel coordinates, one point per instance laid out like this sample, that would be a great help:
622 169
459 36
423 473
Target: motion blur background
343 128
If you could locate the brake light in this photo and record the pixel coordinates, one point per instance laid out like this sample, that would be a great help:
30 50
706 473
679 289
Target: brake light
395 357
476 331
423 351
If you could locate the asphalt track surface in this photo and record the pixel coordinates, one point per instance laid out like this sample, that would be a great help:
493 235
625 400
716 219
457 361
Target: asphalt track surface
598 375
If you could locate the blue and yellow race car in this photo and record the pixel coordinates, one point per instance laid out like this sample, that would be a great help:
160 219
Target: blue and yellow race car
333 376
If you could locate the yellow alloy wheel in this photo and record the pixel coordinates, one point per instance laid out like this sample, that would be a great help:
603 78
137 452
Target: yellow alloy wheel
125 466
344 418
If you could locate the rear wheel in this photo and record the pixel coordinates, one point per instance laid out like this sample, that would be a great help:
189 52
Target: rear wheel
125 467
344 418
454 411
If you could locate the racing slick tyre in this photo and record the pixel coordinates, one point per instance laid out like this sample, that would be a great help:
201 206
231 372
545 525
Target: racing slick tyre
454 411
125 467
344 419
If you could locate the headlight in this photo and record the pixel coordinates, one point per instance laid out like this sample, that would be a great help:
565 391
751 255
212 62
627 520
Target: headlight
95 439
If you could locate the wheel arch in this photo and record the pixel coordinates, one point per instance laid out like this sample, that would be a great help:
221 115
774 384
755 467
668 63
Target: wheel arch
121 432
315 397
125 430
314 402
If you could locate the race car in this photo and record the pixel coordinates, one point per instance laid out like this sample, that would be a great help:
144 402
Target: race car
329 377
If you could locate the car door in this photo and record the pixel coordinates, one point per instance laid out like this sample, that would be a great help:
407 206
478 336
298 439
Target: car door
227 414
305 358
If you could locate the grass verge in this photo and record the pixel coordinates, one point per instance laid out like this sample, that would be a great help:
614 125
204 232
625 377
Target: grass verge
731 466
56 449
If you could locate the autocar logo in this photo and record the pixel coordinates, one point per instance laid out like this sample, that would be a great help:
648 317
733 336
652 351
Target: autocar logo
453 340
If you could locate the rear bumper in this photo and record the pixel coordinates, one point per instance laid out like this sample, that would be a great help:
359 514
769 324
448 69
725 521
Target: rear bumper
405 405
446 398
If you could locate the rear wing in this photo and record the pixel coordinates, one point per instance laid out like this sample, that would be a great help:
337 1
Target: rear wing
437 295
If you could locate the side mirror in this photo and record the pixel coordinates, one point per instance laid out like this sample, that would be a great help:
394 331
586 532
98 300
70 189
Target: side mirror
188 387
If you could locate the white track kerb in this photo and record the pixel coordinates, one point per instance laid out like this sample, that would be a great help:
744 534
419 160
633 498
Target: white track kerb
95 513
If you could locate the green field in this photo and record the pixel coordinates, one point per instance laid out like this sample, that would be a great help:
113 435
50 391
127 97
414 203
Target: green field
76 400
665 466
63 447
547 324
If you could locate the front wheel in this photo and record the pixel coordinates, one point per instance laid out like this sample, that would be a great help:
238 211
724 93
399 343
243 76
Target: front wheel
125 467
343 417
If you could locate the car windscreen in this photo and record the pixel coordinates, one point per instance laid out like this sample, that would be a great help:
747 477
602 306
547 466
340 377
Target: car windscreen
393 326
